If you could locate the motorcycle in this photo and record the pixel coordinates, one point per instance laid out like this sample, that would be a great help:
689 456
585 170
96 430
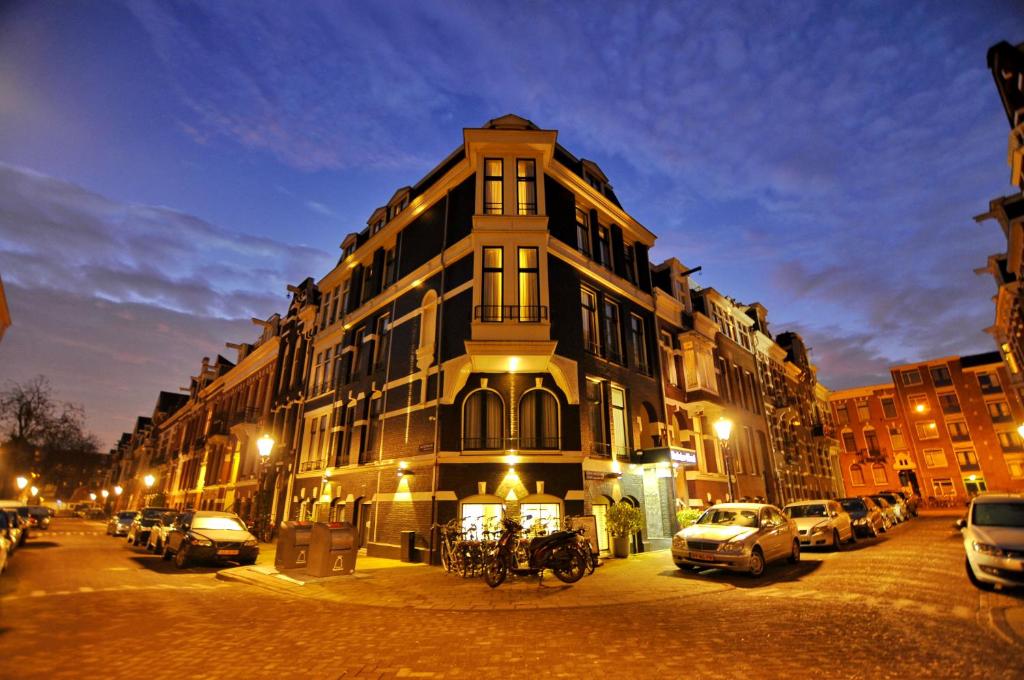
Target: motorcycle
558 552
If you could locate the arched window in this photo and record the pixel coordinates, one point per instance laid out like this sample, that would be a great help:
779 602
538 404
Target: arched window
538 420
483 421
878 473
856 475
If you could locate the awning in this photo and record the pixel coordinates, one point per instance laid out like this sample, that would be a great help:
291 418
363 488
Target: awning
667 454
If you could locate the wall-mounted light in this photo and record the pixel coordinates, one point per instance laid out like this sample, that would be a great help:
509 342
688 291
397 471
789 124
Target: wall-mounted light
403 470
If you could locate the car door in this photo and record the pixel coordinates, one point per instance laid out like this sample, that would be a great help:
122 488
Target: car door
177 533
770 528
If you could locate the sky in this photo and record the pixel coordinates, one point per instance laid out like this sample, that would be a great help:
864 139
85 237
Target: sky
167 168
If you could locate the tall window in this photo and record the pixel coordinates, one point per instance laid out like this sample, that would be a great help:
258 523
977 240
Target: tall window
878 474
383 338
669 359
598 413
493 286
896 437
629 264
842 414
325 310
353 368
583 232
529 285
604 251
638 340
612 334
334 308
346 289
888 407
591 337
617 418
483 425
871 439
368 291
390 267
494 176
526 186
372 430
849 442
863 415
856 475
538 420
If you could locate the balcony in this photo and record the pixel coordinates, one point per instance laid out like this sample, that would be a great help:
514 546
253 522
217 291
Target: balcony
310 465
500 313
605 450
872 454
250 414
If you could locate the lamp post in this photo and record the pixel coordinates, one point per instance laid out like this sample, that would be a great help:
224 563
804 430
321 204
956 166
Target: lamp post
34 491
265 446
723 429
22 482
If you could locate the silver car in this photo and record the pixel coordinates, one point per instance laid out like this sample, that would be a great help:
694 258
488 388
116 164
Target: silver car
737 536
821 523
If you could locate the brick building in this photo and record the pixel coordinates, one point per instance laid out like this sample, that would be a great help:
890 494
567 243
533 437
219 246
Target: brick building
945 428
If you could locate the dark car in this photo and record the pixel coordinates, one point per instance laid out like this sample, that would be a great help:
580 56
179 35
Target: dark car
138 532
207 535
119 524
38 517
867 518
17 526
9 530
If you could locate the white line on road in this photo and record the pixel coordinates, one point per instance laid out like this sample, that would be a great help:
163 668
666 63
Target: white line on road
38 593
85 589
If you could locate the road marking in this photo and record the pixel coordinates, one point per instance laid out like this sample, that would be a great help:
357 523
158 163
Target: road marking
85 589
37 593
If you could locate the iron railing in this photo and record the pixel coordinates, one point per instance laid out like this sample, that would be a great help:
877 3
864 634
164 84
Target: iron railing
520 313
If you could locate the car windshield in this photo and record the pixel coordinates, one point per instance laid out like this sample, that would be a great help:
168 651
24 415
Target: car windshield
39 512
226 523
795 511
891 497
882 503
153 513
125 515
731 517
853 505
1005 514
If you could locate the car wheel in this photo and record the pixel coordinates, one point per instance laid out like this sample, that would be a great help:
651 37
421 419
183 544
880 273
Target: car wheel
975 581
836 543
757 565
853 535
181 558
794 556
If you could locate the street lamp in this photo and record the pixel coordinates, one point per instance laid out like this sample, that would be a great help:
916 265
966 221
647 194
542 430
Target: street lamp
22 482
149 480
105 494
723 429
92 496
1020 430
264 445
34 491
118 490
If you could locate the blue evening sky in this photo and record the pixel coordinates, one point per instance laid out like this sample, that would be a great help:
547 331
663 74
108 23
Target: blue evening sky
166 168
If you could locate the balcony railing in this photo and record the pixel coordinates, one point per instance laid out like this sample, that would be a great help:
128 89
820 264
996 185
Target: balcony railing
308 465
872 453
605 450
520 313
531 443
249 414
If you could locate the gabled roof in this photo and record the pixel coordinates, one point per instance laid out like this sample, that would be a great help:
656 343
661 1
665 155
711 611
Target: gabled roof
510 121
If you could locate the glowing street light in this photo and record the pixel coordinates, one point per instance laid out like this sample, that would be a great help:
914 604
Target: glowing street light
1020 430
265 445
34 491
118 490
22 482
723 429
149 480
105 494
92 496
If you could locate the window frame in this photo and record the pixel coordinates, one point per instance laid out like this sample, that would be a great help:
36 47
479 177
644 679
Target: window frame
487 314
524 181
489 207
638 339
533 313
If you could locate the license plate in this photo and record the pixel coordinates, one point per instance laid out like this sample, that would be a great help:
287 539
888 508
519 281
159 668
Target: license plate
227 552
707 557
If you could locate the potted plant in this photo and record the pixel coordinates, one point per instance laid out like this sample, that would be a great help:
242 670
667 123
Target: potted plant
624 520
687 516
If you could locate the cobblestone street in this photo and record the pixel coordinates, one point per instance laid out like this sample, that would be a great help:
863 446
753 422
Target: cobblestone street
77 603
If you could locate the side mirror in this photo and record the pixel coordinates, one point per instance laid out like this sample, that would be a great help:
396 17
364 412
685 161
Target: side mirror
961 523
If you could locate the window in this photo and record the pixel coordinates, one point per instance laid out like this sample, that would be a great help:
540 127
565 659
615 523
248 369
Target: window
526 186
856 475
999 411
638 339
618 420
989 384
958 431
390 267
842 414
940 376
345 290
598 413
927 430
476 516
912 377
949 403
494 177
353 367
849 442
878 474
612 333
583 232
491 296
629 264
538 420
1016 468
919 403
325 381
1009 441
871 439
669 359
325 308
529 285
604 252
863 415
372 430
334 308
591 336
377 226
383 338
967 459
543 516
896 437
934 458
888 407
483 426
368 291
943 487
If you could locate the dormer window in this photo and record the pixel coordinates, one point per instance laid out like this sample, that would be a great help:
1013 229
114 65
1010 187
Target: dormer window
377 226
494 177
526 186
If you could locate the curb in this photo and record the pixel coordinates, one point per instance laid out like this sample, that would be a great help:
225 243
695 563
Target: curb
267 581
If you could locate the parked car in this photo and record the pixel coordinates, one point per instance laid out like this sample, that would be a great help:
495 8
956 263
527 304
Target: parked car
18 529
5 552
867 518
138 532
6 542
910 500
993 534
200 535
158 533
119 523
899 505
38 517
821 523
888 514
738 537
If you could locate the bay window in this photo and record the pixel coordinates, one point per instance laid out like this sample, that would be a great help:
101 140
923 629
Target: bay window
494 176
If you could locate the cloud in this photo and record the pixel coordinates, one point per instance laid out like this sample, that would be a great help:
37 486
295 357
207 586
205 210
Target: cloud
320 208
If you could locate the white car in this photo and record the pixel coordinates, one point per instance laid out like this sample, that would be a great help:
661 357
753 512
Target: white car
994 540
821 523
5 553
738 537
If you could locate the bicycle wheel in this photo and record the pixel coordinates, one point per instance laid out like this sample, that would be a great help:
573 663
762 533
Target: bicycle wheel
495 570
589 558
446 559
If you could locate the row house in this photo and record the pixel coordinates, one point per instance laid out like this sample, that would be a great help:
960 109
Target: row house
944 428
1006 62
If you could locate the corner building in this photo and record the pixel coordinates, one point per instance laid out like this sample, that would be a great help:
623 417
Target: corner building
486 343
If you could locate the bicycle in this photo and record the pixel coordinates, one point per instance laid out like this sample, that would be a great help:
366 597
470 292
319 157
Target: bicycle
584 545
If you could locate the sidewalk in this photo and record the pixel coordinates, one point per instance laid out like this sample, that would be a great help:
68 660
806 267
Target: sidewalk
381 582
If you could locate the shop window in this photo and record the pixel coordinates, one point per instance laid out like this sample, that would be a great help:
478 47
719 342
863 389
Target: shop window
478 517
975 485
943 487
483 421
538 420
543 517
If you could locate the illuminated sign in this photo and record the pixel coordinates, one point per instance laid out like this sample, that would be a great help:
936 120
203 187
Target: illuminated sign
683 456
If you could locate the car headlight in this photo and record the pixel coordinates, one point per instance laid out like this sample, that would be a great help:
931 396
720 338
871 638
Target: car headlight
731 547
820 529
861 521
678 542
201 541
987 549
251 543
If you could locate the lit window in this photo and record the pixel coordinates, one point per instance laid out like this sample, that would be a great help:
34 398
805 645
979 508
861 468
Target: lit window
538 420
612 332
492 293
494 176
927 430
529 285
483 421
591 337
934 458
526 186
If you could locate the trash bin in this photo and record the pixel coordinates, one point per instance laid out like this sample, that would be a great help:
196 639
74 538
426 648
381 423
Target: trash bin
407 546
332 549
293 545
